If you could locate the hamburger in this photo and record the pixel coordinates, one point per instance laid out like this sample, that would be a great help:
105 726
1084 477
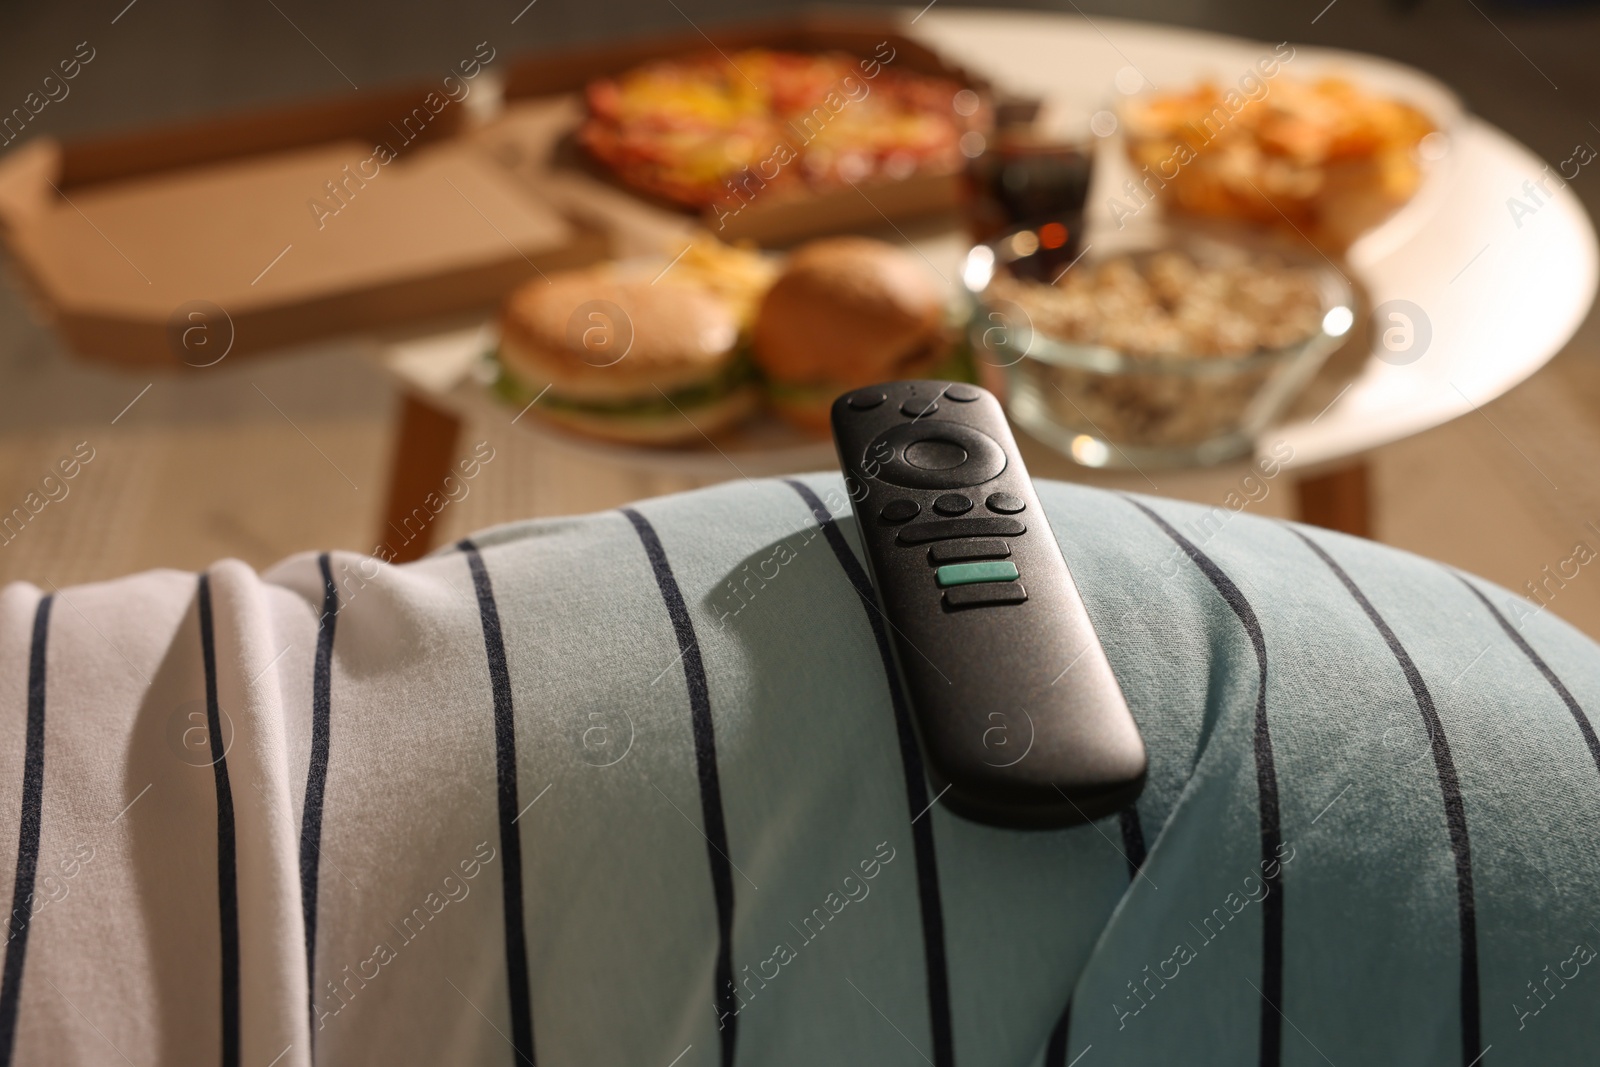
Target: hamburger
846 312
625 359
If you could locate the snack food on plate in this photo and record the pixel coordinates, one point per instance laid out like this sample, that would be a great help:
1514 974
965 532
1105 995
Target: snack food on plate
711 128
846 312
1324 157
626 359
739 276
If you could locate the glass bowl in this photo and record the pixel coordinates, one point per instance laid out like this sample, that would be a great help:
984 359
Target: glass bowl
1106 406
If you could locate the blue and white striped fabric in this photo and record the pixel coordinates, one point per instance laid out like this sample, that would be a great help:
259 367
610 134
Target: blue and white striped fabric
640 787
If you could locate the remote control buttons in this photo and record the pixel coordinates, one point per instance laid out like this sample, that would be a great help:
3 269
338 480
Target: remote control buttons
922 533
984 593
916 409
899 511
955 551
962 393
866 399
968 573
936 454
952 504
1005 503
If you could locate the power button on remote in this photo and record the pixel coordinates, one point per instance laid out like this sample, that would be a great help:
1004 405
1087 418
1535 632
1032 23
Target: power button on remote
866 399
899 511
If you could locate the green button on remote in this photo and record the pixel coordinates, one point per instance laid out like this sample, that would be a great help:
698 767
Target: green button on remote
967 573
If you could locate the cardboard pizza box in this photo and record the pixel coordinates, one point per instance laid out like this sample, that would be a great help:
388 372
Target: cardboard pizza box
249 232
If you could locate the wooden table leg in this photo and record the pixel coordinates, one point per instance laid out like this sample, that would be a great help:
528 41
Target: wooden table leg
1338 500
424 450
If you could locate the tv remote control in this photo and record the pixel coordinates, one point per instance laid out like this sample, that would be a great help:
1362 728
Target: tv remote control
1020 718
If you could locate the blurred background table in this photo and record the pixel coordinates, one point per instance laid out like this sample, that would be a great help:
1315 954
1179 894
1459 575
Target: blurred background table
260 459
1496 300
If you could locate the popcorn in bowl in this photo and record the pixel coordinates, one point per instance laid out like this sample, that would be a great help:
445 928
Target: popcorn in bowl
1176 353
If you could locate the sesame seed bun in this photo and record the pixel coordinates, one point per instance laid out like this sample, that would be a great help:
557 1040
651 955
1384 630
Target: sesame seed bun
595 337
626 360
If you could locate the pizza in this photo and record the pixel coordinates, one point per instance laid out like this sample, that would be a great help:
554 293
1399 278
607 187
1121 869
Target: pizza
716 128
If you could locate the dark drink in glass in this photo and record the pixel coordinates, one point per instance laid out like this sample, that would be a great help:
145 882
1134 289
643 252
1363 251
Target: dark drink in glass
1021 180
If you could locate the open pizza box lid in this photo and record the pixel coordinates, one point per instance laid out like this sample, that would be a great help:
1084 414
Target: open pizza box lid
250 232
544 105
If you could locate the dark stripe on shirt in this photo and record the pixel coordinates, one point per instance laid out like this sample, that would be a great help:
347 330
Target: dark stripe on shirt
227 848
1132 840
505 761
27 836
1584 726
1271 1040
1133 851
916 787
317 773
705 756
1455 811
1055 1053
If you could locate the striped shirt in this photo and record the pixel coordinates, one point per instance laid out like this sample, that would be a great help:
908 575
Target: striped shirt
642 787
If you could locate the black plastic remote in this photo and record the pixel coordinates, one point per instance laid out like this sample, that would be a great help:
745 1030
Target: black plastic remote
1021 720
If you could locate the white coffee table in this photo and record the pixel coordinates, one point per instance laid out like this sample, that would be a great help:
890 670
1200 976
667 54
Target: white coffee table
1499 299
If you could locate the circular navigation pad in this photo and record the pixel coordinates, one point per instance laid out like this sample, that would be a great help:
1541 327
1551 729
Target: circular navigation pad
934 454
